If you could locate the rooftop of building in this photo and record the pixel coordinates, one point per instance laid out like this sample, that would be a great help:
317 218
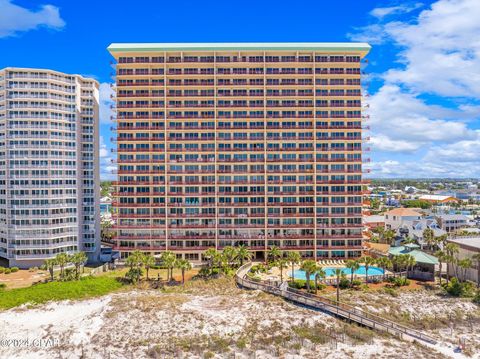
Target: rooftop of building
242 46
472 243
452 217
403 212
375 218
436 197
420 256
49 71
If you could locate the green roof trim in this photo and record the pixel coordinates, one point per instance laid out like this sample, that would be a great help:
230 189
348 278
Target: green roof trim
241 46
420 256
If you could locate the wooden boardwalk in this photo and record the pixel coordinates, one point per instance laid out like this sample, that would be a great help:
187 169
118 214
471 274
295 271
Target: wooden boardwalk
341 310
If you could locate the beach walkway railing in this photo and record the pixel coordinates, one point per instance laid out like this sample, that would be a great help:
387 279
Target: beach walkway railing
332 307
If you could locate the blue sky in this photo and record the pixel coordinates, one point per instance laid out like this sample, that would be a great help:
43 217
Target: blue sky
423 72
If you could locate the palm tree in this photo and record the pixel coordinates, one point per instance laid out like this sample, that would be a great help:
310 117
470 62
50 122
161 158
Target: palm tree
388 236
281 264
464 265
368 262
230 254
476 259
135 262
353 265
243 254
442 257
50 265
78 259
309 266
451 249
211 255
62 260
168 258
409 262
428 237
274 253
319 275
384 263
184 265
338 272
148 262
293 258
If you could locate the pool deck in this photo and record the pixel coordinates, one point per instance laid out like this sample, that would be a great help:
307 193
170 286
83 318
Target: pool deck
274 273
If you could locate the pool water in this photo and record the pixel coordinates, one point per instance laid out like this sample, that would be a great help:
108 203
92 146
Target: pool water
300 274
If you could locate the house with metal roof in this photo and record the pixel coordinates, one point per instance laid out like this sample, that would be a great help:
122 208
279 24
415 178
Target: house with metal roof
424 268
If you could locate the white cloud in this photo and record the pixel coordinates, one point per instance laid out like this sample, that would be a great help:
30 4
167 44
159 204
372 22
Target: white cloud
106 165
381 12
14 18
105 93
401 122
425 112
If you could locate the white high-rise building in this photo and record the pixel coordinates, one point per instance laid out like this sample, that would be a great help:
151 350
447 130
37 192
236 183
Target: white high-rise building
49 166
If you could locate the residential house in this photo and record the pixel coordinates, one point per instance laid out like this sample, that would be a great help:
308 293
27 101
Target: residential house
396 217
467 248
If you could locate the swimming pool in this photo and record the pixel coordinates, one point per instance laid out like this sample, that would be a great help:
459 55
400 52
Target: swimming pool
300 274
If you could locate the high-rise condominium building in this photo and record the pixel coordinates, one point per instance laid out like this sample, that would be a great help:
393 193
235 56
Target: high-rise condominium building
49 175
239 144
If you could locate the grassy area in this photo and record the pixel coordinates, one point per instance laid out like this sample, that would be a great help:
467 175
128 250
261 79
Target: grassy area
41 293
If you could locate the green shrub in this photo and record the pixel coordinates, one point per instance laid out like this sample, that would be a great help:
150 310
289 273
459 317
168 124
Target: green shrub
344 283
259 268
297 284
458 289
356 283
8 271
2 270
390 291
399 281
302 284
134 274
476 298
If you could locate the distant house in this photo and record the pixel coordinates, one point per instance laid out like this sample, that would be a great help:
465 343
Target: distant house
414 229
410 189
435 198
452 222
395 217
468 246
425 263
374 221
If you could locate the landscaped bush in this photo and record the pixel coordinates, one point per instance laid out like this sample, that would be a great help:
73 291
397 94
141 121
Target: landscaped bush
302 284
356 283
14 269
344 283
476 298
399 281
2 270
458 289
7 271
259 268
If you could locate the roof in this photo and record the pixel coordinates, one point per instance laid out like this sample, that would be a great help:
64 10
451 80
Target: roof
436 197
380 247
374 219
452 217
403 212
241 46
420 257
412 245
35 69
471 243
